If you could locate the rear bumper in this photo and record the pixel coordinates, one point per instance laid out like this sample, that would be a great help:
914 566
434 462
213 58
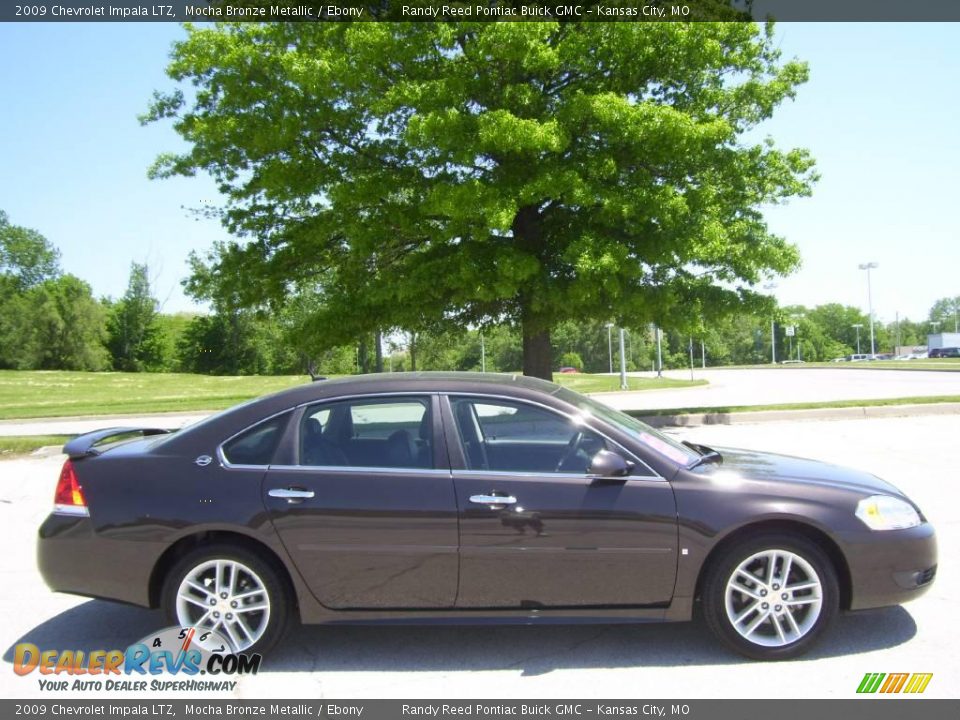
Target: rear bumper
73 559
890 567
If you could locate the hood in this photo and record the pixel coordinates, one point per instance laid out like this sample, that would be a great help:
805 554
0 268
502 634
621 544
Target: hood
784 468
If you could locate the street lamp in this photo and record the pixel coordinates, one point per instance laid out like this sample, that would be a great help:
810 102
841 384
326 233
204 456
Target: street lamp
799 316
868 267
623 362
610 345
483 354
858 326
773 329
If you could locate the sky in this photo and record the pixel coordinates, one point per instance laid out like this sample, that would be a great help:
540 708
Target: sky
880 114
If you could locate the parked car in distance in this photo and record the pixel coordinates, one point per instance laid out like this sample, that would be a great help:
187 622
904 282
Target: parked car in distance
793 362
858 357
568 370
950 352
472 498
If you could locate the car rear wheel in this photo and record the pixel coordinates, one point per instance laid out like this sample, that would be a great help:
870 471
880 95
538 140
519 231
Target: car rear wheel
771 597
231 590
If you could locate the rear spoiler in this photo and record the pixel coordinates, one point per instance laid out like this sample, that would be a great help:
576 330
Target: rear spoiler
84 445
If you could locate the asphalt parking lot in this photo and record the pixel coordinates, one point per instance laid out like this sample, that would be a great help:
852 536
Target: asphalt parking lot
653 661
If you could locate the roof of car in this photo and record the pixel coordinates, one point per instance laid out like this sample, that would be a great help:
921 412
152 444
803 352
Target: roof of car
236 418
413 382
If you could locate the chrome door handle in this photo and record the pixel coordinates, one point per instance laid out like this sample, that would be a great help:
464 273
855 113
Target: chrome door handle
493 499
291 493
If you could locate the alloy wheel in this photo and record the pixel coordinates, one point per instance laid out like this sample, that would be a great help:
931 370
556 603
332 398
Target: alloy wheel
227 596
773 598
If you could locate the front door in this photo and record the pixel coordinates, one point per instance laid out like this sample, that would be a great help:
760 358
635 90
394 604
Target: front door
536 530
367 513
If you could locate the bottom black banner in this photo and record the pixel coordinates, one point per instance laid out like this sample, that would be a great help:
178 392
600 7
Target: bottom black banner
876 708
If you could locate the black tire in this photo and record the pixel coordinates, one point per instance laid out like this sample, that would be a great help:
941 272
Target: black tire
275 621
714 597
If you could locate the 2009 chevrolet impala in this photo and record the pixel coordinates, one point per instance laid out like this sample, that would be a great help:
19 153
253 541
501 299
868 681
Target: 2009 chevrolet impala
457 497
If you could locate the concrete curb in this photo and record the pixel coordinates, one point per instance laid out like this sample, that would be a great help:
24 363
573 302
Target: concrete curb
759 416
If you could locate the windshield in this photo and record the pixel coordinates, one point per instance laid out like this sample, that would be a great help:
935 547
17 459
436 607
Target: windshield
654 439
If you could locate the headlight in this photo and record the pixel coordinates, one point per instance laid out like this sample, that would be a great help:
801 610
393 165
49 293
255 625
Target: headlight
883 512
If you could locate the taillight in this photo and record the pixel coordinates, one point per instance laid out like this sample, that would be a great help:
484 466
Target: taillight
68 498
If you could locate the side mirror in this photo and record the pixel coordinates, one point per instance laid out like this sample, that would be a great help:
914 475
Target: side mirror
609 464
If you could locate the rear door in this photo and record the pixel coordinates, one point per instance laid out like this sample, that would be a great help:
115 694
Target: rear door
536 530
368 512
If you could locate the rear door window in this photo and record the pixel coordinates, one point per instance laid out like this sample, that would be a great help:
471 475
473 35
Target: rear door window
373 433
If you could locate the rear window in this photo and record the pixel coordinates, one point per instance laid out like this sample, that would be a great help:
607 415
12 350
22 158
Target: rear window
256 445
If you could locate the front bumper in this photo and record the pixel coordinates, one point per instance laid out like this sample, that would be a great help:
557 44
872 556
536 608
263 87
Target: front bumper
890 567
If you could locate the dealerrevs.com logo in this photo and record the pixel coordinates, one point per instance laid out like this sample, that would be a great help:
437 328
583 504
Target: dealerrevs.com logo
176 651
894 682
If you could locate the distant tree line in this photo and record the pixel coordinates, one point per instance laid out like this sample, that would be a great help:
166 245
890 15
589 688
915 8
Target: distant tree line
50 320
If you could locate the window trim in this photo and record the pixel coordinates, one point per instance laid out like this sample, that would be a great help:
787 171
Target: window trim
222 456
571 417
432 398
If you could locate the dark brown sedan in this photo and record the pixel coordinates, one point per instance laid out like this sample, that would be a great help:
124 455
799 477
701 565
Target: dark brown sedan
459 497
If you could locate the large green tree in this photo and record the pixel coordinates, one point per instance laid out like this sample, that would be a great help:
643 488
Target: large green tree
946 312
26 257
134 332
477 173
48 320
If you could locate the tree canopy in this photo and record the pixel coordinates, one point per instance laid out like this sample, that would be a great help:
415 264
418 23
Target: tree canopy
520 173
133 328
26 257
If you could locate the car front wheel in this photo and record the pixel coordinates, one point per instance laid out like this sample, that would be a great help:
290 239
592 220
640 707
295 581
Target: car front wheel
771 597
230 590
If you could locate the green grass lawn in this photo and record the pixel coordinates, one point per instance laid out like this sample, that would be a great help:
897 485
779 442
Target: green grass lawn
35 394
25 444
38 394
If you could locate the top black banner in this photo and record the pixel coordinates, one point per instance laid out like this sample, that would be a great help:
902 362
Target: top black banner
480 10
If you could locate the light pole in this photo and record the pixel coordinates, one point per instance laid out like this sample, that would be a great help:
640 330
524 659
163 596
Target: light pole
868 267
800 316
483 354
659 351
773 329
858 326
610 345
623 363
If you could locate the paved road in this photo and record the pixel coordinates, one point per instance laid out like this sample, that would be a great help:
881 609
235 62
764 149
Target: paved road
727 387
659 661
786 385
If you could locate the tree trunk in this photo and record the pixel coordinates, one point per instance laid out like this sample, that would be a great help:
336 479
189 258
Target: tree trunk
378 351
537 355
363 361
413 352
527 230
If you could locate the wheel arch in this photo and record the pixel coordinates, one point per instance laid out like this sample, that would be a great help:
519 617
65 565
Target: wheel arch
188 543
789 527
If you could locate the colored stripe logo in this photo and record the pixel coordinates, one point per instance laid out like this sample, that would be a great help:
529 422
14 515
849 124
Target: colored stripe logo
894 682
